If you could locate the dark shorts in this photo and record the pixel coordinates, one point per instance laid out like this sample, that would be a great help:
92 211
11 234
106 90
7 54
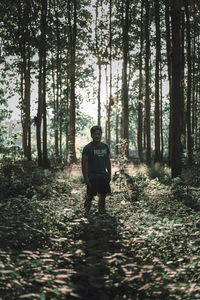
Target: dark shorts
100 185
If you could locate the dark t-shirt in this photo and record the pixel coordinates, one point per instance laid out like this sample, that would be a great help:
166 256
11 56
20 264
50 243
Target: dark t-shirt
96 158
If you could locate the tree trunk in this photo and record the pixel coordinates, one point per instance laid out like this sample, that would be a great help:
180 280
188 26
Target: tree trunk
57 85
157 82
182 38
55 111
147 88
38 118
106 87
99 92
189 67
176 120
110 83
140 100
44 112
125 110
67 120
28 113
161 113
72 66
117 118
24 40
169 68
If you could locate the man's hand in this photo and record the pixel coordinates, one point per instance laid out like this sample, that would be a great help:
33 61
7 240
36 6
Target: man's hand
85 170
88 183
108 166
109 177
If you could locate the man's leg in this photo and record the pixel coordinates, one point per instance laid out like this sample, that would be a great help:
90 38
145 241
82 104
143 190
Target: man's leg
101 203
88 203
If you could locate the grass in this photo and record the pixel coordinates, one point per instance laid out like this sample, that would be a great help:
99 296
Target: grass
145 247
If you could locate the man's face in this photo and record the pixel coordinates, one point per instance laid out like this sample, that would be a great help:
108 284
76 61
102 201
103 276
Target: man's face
96 136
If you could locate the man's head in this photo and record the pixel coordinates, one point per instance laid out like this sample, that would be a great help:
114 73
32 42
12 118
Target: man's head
96 133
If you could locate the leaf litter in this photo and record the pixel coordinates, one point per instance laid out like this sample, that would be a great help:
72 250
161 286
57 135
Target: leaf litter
144 249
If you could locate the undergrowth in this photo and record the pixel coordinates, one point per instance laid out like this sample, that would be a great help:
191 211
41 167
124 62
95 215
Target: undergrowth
145 247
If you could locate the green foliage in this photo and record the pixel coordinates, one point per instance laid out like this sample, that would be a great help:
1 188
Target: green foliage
146 249
187 189
196 157
20 177
120 176
158 171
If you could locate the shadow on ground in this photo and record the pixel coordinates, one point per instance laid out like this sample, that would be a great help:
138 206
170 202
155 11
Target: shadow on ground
96 276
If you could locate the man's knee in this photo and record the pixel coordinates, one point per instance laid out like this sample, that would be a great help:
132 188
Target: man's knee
102 196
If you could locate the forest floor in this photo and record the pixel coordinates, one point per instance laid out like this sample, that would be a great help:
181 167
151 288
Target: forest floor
145 247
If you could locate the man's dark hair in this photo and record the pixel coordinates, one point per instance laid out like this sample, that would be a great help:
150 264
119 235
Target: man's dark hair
94 128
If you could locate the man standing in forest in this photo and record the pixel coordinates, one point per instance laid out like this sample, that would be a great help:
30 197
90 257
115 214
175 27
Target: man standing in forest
96 169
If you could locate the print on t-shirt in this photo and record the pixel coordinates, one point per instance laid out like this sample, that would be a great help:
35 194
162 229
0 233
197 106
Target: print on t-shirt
100 152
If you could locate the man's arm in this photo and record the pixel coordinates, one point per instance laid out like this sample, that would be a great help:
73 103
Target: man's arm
85 168
108 164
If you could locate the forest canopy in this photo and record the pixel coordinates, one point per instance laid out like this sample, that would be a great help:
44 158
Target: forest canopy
136 61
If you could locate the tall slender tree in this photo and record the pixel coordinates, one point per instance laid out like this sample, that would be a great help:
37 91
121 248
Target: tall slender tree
110 81
24 46
189 82
99 61
140 96
44 68
157 157
41 111
125 102
147 83
169 68
72 24
176 117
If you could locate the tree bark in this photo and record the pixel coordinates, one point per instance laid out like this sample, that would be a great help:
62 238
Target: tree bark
169 69
24 41
189 89
72 54
106 87
44 112
38 118
110 81
56 117
125 102
55 111
99 92
147 87
157 84
176 120
117 118
140 100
